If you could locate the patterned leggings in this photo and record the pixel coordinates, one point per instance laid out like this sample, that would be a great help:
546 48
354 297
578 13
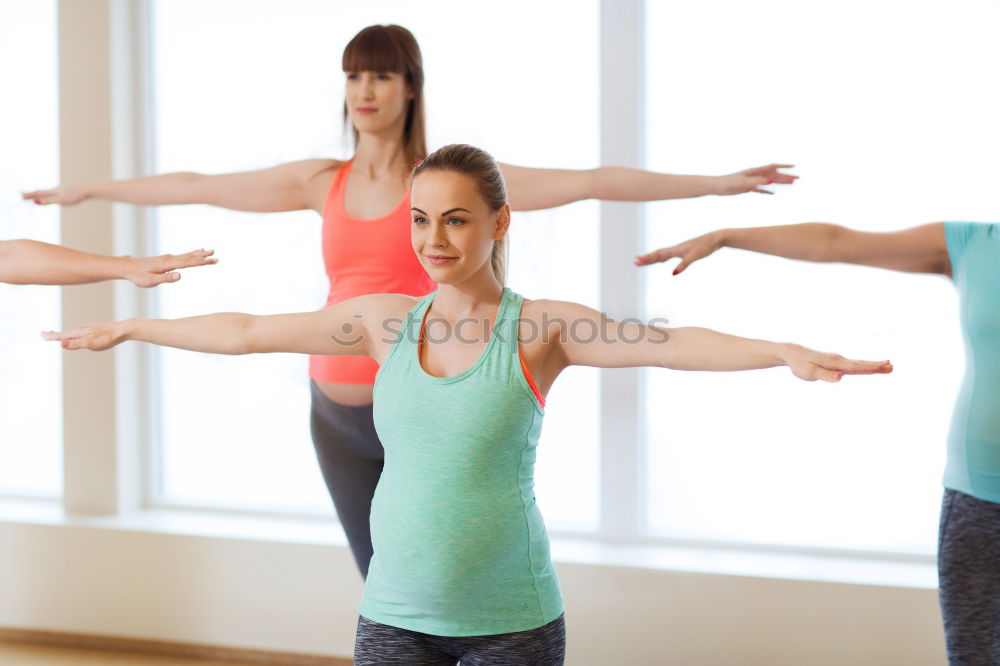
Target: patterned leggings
382 645
969 575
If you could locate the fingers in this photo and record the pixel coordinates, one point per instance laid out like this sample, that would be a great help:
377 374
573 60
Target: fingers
170 262
659 256
828 366
71 334
196 258
90 343
832 367
682 266
783 178
42 197
851 367
775 167
831 376
656 256
160 278
81 337
771 174
154 271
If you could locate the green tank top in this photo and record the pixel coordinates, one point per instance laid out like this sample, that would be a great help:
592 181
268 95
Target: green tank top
460 546
974 440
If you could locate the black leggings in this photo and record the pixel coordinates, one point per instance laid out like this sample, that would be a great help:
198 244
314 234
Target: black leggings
351 458
969 579
379 644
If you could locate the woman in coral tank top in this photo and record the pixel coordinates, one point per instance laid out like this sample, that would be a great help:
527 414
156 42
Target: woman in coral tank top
364 203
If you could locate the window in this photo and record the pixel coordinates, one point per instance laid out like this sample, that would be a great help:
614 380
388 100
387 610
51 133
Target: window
247 85
882 108
30 393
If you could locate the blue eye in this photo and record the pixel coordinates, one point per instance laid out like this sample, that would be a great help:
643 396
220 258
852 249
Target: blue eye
456 220
419 220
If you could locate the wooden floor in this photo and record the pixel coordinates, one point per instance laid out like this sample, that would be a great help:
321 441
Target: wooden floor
24 654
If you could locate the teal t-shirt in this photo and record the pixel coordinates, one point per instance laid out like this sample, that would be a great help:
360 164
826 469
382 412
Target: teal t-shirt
460 546
974 440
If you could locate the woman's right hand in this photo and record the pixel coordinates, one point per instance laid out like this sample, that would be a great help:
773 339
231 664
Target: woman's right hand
689 251
95 337
64 196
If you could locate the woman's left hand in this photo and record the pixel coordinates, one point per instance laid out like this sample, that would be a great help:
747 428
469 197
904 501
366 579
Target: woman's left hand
811 365
753 180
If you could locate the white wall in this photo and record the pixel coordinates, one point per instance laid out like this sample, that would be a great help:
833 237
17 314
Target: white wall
302 597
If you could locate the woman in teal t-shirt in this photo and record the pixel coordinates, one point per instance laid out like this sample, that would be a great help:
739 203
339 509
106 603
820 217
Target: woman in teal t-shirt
461 570
969 253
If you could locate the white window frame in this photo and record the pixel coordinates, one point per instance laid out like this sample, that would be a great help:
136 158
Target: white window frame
110 447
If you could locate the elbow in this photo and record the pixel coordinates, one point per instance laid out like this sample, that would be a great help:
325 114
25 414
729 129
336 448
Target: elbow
9 272
599 184
244 339
194 188
829 247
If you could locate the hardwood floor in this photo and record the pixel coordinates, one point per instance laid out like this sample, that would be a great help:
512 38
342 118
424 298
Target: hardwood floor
26 654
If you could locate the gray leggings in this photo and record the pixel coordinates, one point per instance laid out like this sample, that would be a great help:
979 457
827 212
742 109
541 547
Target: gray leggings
969 579
351 458
377 644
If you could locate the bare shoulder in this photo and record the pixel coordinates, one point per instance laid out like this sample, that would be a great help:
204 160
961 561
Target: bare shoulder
547 308
380 306
315 168
552 319
315 176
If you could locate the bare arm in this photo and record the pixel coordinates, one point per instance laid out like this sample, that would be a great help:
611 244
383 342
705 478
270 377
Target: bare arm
920 249
291 186
534 189
620 345
350 328
34 262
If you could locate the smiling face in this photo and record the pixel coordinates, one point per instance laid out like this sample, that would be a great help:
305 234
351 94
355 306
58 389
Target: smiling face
454 229
377 101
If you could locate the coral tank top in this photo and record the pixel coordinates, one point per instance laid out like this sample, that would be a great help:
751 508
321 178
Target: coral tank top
362 257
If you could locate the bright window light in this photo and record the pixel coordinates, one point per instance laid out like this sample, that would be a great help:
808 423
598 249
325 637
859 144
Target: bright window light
31 369
886 111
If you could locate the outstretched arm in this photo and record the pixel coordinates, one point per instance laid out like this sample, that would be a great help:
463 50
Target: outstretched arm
584 336
35 262
920 249
285 187
534 189
351 328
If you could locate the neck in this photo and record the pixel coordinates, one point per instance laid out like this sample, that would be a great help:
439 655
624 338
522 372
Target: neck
381 154
480 292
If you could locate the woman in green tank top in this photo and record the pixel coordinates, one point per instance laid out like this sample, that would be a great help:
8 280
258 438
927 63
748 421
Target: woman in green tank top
461 568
